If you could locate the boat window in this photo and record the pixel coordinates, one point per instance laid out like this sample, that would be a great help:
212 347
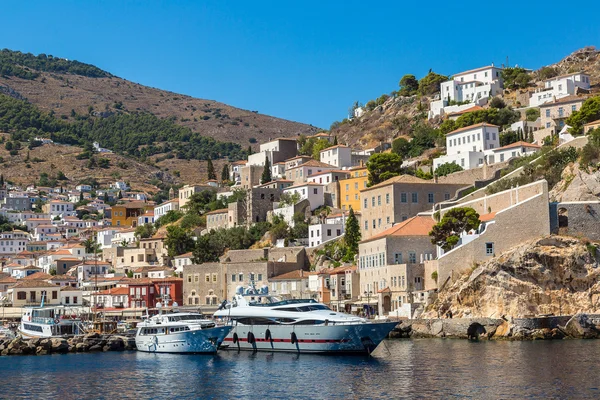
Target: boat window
314 307
256 321
310 322
292 309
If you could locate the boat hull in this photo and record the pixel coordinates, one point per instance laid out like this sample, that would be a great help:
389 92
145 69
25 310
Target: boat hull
354 338
194 341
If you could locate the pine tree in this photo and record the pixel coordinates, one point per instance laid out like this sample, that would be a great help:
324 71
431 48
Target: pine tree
211 170
225 173
249 150
80 196
105 197
120 195
1 180
266 175
351 236
335 142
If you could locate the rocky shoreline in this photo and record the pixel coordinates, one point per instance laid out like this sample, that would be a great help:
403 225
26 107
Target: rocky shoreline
89 343
579 326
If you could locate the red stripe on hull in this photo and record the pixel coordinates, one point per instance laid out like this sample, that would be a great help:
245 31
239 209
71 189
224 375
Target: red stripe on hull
290 340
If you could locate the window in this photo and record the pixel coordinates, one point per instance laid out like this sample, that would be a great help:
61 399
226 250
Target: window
347 186
74 299
374 224
573 108
366 225
547 124
233 277
403 198
430 197
493 135
365 203
196 278
379 222
214 277
356 185
315 191
21 295
415 197
260 277
387 220
412 257
547 113
398 258
489 248
501 157
189 279
373 201
54 295
487 136
462 162
328 232
379 200
241 277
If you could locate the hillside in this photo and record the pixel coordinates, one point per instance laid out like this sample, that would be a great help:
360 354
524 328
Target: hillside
60 86
396 116
554 275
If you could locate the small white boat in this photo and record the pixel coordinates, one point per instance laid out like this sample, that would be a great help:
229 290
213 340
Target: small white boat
265 323
47 322
179 332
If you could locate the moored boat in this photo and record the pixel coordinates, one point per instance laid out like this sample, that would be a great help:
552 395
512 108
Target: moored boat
262 322
50 321
179 332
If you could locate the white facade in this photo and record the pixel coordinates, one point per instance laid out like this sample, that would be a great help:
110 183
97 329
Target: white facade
104 238
278 170
83 188
339 156
469 146
559 87
12 243
162 209
311 191
518 149
120 185
259 158
473 86
63 208
321 233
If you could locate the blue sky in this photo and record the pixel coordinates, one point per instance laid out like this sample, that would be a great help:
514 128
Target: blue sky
306 61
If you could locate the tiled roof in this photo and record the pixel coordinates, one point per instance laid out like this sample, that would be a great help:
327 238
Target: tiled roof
32 284
118 291
38 276
596 122
185 255
292 275
471 109
470 127
564 100
69 289
219 211
315 163
335 147
400 179
518 144
419 225
487 217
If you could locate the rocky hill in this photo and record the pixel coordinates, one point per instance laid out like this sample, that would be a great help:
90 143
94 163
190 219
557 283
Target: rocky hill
553 275
69 88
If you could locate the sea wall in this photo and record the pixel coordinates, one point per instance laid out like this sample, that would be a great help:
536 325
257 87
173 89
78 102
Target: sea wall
79 344
579 326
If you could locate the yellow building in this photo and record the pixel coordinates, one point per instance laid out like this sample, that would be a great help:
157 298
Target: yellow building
350 188
127 214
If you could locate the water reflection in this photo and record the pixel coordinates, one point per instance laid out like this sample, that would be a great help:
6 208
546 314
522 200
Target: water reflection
405 369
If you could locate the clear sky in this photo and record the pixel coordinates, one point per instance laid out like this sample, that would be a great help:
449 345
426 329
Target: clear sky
306 61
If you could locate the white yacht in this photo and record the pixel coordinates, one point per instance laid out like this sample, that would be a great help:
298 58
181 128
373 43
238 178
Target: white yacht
265 323
50 321
179 332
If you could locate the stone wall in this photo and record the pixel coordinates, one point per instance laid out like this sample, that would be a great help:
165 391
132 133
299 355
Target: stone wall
580 219
473 175
526 220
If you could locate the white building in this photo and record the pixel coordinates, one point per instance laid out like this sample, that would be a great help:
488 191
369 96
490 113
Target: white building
12 243
146 218
559 87
325 177
58 207
314 192
512 150
163 208
84 188
321 233
181 260
104 237
339 156
119 185
278 170
474 86
467 146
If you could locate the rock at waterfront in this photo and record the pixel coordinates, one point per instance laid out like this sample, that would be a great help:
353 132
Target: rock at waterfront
580 327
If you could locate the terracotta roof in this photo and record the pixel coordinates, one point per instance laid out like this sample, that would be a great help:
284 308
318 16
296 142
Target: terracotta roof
297 157
468 128
62 278
596 122
70 289
219 211
38 276
292 275
387 289
31 284
400 179
419 225
7 279
335 171
118 291
471 109
303 184
335 147
315 163
564 100
487 217
185 255
518 144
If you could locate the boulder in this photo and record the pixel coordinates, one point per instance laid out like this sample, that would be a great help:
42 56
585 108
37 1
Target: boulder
115 344
95 347
41 351
580 327
81 347
503 330
59 345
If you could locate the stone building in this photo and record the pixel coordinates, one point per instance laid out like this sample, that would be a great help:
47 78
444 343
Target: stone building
217 219
291 285
399 199
391 263
204 285
250 175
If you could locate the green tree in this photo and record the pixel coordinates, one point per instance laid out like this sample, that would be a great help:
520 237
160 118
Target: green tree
144 231
210 170
497 102
320 144
335 141
225 173
266 174
401 146
430 83
515 78
80 197
446 233
532 114
590 111
547 73
383 166
408 85
352 235
178 241
447 126
8 146
249 151
1 180
447 168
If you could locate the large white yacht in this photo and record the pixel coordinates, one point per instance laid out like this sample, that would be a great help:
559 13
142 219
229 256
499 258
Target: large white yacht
50 321
179 332
265 323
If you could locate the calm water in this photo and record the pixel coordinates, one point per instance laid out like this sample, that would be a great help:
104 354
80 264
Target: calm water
406 369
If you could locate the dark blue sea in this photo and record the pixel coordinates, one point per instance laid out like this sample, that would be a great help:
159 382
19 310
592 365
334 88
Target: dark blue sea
398 369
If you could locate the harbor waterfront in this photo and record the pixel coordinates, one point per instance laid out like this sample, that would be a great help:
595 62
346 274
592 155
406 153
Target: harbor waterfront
434 368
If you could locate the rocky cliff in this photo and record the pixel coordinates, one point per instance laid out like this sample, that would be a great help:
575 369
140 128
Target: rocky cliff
553 275
577 184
